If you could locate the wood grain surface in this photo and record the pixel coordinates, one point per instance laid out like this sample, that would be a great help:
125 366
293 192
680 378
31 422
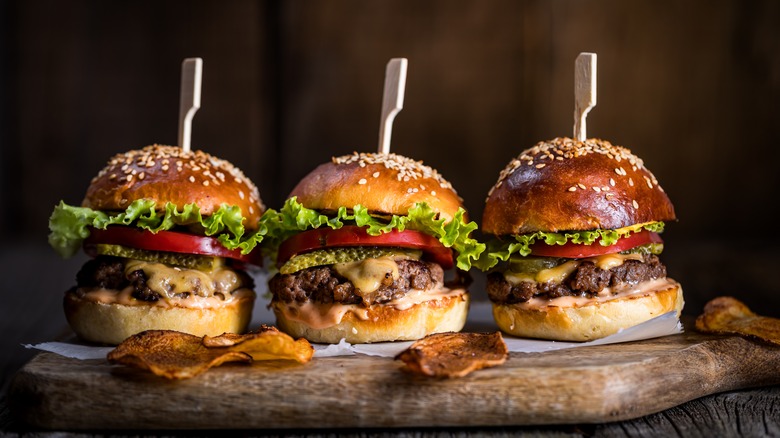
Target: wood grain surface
585 385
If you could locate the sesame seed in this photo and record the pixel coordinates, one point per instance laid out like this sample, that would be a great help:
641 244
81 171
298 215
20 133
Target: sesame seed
631 182
206 183
612 182
405 168
362 181
581 185
573 188
376 175
539 166
192 179
635 204
141 175
241 194
596 189
112 176
251 210
165 168
129 178
433 192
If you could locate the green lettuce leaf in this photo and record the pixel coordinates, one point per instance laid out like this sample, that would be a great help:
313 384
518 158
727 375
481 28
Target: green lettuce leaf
294 218
69 225
502 250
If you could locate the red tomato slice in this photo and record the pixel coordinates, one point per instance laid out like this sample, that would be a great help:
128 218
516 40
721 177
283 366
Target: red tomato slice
352 235
169 241
577 250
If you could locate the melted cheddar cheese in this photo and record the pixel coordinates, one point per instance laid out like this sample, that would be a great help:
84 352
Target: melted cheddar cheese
559 273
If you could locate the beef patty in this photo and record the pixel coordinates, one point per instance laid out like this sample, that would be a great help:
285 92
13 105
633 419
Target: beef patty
586 281
322 284
106 272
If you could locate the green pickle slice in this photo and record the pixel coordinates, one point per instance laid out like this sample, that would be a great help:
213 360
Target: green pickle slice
189 261
532 265
650 248
332 256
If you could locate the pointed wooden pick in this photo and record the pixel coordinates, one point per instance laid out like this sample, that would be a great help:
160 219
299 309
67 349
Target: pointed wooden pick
392 100
189 103
584 92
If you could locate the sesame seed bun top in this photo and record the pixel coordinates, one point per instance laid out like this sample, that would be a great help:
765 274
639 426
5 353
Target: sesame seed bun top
571 185
170 174
385 184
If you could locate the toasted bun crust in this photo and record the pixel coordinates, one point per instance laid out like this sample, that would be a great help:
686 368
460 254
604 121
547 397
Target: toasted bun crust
569 185
593 321
113 323
384 323
383 183
169 174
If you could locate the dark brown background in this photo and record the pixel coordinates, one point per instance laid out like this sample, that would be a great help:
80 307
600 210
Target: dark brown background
692 87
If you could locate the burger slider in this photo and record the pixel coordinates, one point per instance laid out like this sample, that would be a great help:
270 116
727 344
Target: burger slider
170 233
362 246
575 253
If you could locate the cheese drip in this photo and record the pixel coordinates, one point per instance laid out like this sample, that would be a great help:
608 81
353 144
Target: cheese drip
368 274
169 281
560 272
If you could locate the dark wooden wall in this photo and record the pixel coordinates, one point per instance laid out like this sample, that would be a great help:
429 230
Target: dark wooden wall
692 87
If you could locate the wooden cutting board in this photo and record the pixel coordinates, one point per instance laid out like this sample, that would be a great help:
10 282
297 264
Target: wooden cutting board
582 385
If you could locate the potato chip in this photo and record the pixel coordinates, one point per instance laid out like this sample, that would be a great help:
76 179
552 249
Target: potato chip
176 355
727 315
172 354
230 339
267 343
454 354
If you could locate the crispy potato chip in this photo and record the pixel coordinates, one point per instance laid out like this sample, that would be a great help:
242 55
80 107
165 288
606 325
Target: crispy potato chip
176 355
230 339
172 354
454 354
267 343
727 315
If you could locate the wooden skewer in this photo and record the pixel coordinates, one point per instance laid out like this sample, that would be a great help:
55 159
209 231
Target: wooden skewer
189 103
392 100
584 92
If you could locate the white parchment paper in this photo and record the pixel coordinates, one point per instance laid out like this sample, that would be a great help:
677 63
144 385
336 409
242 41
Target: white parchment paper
480 319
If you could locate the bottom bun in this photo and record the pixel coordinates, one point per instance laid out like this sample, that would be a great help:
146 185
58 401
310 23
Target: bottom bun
382 323
593 320
112 323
